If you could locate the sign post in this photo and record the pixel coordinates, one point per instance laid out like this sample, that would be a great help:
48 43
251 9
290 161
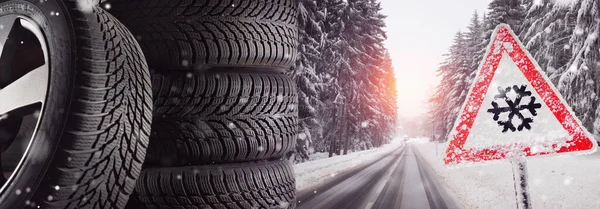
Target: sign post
513 112
519 167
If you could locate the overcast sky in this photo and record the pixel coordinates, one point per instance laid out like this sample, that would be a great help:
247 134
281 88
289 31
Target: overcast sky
419 33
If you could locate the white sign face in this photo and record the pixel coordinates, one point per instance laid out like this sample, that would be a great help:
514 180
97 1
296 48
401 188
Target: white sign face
531 126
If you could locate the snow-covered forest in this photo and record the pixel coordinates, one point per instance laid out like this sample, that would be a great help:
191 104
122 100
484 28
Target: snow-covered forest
345 79
561 35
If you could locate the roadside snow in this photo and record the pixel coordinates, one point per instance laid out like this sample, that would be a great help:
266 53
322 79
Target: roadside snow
554 182
315 172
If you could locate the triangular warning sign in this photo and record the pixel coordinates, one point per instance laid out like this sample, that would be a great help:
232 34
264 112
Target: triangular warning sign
513 110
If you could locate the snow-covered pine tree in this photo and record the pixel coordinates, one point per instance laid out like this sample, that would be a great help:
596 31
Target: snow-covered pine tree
353 52
453 72
511 12
579 84
346 86
457 74
459 79
546 32
387 118
332 60
367 32
472 41
474 38
466 54
304 74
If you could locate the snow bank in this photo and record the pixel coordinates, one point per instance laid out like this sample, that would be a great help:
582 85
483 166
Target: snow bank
316 172
554 182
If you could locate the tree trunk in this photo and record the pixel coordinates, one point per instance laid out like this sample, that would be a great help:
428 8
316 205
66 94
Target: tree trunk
333 137
331 146
345 133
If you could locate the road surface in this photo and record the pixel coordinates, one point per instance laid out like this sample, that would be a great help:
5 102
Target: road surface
398 180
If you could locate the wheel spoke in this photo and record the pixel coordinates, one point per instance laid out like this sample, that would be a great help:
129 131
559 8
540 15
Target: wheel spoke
3 178
6 27
27 90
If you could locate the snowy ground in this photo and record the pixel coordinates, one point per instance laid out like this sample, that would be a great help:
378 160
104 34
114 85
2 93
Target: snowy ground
320 170
554 182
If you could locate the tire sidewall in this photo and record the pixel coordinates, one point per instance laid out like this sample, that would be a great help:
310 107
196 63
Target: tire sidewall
59 38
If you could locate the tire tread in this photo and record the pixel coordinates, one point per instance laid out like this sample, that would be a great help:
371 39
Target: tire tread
101 153
268 184
208 33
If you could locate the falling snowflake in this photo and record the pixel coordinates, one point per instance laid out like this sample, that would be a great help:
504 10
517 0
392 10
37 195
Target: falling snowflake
568 180
364 124
514 108
283 204
85 6
302 136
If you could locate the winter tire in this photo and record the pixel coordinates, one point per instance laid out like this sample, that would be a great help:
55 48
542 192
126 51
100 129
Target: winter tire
75 86
268 184
194 141
221 118
203 34
181 94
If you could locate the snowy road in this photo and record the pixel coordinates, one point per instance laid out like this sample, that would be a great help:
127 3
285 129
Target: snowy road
398 180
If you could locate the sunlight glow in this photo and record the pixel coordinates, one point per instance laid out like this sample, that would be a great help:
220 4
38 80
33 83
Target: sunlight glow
414 89
419 33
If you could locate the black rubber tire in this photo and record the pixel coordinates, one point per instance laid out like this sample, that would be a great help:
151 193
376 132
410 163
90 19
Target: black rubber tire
201 34
95 124
178 142
206 118
268 184
180 94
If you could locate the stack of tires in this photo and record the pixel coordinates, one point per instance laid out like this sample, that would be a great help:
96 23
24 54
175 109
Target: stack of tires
225 114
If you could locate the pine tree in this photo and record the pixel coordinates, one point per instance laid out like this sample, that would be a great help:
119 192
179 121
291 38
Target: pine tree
474 38
546 33
388 102
447 98
511 12
460 68
344 75
579 83
364 32
333 59
304 74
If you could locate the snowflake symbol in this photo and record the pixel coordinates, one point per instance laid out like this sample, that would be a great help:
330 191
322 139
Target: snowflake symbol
514 108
